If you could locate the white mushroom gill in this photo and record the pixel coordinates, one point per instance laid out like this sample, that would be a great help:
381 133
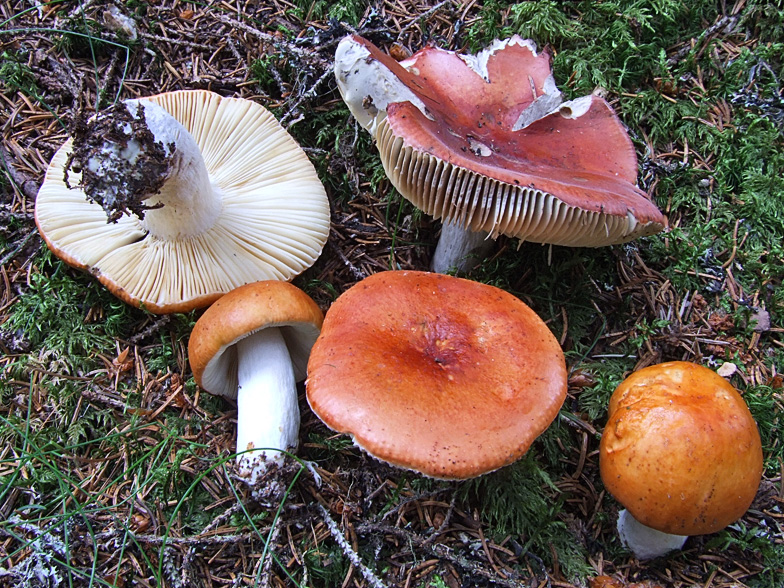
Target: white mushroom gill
267 410
246 205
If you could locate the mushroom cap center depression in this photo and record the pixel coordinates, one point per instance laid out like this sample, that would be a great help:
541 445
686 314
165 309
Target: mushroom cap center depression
448 355
445 348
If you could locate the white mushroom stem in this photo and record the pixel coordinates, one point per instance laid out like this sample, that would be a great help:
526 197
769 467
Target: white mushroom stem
185 204
267 409
644 542
459 249
191 204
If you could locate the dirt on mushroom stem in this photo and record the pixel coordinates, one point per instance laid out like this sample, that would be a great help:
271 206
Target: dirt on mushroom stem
120 162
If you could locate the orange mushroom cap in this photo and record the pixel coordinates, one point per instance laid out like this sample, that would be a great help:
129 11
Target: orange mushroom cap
242 312
445 376
681 451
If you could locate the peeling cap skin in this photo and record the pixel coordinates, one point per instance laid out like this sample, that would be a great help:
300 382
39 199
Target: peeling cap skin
259 212
487 143
681 451
445 376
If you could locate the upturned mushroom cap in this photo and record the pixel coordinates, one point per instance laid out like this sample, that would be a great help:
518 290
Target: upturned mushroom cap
681 451
445 376
272 224
484 141
241 312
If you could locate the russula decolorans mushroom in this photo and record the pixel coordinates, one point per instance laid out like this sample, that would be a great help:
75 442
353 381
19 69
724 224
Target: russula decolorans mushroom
486 143
203 194
681 453
438 374
253 345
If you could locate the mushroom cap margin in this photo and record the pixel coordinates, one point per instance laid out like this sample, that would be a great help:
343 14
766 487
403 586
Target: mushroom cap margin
445 376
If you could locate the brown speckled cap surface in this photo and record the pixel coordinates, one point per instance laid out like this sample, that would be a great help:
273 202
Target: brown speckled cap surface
429 372
681 451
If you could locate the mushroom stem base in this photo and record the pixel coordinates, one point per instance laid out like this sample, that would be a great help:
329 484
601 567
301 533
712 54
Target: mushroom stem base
644 542
267 409
460 249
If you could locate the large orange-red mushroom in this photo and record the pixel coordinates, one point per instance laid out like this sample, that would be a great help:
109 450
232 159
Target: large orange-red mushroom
429 372
681 452
486 143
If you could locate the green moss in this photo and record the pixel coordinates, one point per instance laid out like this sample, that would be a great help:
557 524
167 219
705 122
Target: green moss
522 500
15 75
53 313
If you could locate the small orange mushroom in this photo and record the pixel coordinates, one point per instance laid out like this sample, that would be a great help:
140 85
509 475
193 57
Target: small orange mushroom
681 452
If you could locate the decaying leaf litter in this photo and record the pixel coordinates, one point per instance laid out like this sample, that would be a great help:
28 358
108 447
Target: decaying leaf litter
116 470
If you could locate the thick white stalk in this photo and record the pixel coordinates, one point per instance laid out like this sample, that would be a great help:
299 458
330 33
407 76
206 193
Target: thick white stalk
267 409
644 542
459 249
190 203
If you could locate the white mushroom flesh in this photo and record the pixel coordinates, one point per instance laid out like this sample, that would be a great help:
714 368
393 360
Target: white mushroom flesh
190 203
367 86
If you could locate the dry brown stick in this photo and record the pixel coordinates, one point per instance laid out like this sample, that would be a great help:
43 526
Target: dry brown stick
194 539
269 38
25 184
423 17
174 41
445 523
355 271
309 93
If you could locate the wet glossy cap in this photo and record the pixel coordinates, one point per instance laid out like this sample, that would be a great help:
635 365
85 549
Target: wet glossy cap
681 451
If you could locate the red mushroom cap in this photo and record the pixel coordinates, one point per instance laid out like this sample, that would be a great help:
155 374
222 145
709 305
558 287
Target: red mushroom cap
495 150
445 376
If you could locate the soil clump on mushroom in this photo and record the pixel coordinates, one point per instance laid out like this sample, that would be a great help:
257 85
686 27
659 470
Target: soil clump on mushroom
119 160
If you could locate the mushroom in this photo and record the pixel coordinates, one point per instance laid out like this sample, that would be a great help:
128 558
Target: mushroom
681 452
433 373
252 345
486 143
203 194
